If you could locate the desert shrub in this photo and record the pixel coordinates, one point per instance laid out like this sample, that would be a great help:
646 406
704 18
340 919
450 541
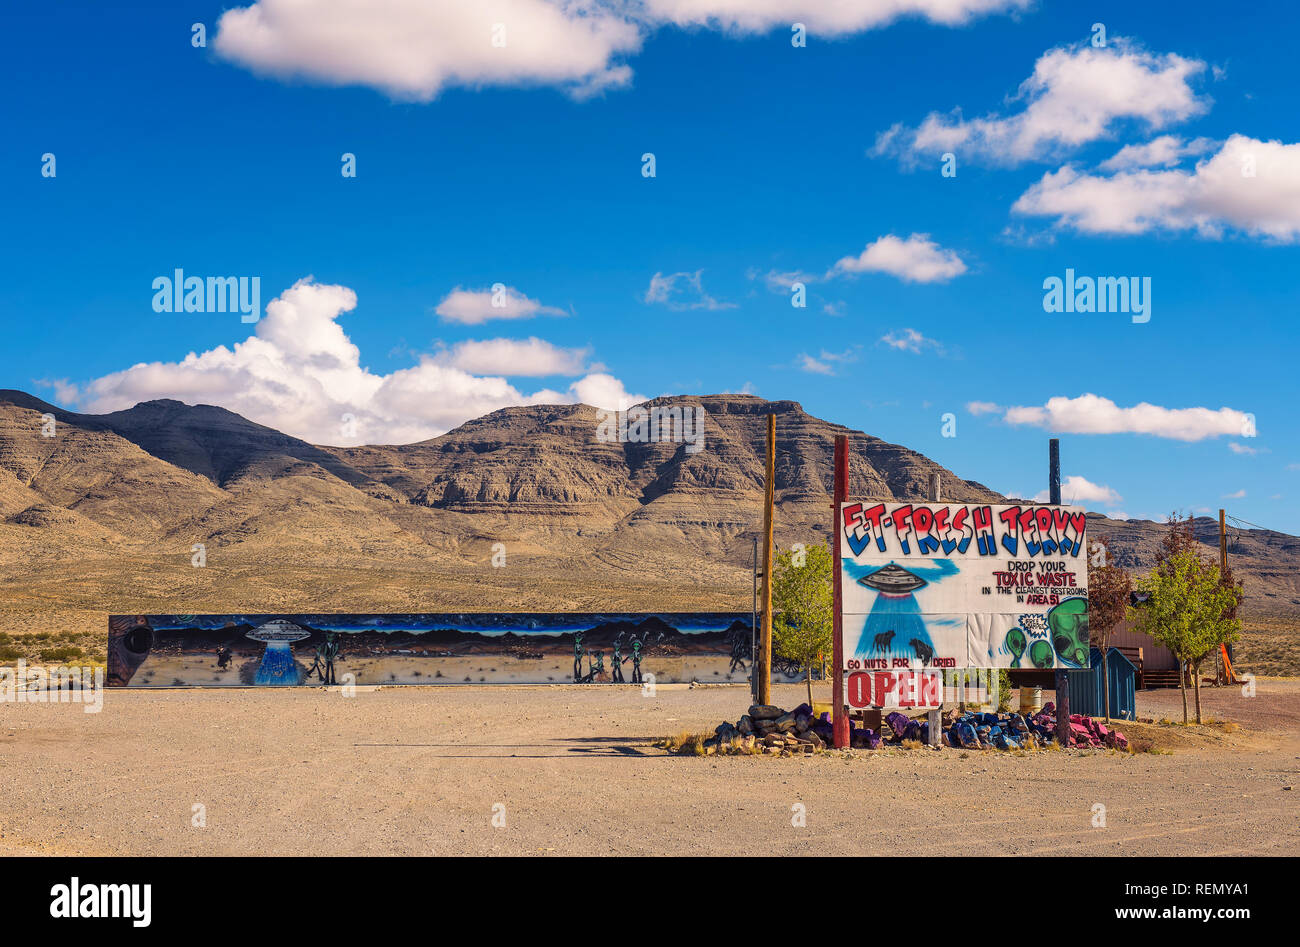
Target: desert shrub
10 653
59 655
1004 691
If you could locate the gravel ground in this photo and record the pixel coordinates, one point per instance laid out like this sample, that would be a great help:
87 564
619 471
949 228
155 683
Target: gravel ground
418 770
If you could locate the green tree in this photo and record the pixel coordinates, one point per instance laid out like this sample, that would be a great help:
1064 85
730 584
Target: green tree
1188 611
1109 587
802 618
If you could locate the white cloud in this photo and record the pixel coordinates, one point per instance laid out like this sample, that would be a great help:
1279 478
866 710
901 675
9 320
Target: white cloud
809 364
1076 95
475 306
604 391
825 362
682 291
301 374
1243 449
1250 185
918 259
1118 515
983 407
1240 494
1163 152
779 281
413 49
534 357
829 19
909 340
1076 489
1091 414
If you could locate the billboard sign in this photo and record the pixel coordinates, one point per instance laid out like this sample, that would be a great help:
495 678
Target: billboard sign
950 585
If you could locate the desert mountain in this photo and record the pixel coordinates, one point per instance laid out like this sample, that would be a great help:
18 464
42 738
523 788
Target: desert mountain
105 514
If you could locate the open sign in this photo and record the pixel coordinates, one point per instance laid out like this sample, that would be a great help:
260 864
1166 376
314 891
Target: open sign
881 689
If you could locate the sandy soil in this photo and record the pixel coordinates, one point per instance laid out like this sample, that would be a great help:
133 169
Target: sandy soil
415 770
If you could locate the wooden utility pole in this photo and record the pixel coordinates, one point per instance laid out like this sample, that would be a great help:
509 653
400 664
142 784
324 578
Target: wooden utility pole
1223 543
769 499
1062 682
1223 571
753 631
935 717
839 717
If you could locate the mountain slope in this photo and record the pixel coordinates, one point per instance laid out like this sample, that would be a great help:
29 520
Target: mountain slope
103 516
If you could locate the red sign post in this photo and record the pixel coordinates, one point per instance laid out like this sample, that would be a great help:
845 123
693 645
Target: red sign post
839 718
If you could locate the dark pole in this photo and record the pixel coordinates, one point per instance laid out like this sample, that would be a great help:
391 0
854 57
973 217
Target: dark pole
765 639
839 719
753 631
1062 681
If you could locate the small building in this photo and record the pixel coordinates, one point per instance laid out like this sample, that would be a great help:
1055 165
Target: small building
1087 694
1156 664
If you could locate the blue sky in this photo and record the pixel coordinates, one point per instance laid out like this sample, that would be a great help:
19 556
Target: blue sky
521 165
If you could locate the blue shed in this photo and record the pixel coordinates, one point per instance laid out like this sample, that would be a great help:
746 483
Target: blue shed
1087 696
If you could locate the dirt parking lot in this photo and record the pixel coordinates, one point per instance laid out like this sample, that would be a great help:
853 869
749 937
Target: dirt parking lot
419 770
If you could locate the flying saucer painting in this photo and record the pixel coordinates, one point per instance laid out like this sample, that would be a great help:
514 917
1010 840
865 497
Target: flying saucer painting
893 579
278 666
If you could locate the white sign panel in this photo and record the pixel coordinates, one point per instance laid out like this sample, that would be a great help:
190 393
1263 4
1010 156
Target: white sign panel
963 586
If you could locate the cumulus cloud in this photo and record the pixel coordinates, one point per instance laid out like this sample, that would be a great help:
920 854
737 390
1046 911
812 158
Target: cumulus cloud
1076 95
918 259
1076 489
1163 152
983 407
1092 414
413 49
533 357
682 291
1249 185
475 306
1238 495
301 374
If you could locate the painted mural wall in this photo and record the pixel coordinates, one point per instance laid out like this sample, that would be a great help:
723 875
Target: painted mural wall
958 586
491 648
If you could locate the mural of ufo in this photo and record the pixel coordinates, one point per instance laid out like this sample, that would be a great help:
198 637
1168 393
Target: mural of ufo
895 627
893 579
277 665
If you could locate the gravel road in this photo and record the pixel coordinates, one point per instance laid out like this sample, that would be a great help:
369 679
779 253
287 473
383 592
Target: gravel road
419 770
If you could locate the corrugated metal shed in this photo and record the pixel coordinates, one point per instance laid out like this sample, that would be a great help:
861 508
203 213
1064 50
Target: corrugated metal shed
1087 696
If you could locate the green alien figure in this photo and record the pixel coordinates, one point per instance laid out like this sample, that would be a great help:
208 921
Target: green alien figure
1069 624
1016 643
